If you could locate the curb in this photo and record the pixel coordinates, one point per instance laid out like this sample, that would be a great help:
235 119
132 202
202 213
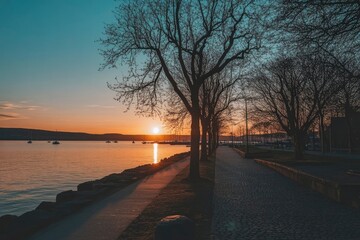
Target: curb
343 193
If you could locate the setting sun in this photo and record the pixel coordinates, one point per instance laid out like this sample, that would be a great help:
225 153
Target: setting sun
156 130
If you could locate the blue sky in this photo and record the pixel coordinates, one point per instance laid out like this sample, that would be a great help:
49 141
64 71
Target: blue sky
49 63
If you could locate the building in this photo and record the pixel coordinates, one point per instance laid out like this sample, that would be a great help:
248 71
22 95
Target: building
345 133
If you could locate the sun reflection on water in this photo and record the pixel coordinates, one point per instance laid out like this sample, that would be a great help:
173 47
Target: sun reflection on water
155 152
32 173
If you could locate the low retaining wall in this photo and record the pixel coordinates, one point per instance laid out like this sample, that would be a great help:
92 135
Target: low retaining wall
252 155
344 193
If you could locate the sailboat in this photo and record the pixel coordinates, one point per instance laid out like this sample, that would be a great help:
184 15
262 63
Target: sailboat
55 142
30 141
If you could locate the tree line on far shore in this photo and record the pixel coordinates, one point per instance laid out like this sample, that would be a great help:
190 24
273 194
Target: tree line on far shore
197 62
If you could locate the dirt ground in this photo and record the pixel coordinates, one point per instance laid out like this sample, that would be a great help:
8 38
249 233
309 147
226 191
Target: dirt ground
183 197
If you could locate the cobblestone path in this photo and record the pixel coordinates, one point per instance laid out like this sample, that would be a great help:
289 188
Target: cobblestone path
254 202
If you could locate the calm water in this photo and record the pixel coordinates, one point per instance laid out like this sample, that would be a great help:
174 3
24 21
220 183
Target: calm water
31 173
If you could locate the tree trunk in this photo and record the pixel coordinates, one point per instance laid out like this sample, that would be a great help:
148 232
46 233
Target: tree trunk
349 125
298 140
322 132
195 139
215 139
210 140
204 154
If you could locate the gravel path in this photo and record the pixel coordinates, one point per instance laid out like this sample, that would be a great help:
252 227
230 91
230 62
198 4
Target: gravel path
254 202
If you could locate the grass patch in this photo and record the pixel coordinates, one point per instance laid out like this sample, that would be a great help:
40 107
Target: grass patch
180 196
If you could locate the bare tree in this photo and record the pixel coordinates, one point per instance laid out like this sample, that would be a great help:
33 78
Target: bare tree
178 44
217 125
217 95
175 115
324 23
347 102
327 27
294 91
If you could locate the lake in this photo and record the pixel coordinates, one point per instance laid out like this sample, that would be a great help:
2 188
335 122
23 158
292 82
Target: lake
31 173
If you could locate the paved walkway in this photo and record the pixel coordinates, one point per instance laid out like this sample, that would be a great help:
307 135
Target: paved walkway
107 218
254 202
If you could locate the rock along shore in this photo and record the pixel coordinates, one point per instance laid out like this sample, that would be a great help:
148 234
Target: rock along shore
68 202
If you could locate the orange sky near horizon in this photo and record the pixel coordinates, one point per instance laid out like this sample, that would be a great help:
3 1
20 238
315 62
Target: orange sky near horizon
90 119
138 127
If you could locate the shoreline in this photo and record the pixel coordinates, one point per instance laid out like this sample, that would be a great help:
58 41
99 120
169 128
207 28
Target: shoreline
69 202
23 134
32 173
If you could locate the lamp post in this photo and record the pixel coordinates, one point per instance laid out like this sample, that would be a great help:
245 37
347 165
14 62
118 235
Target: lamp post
232 136
246 126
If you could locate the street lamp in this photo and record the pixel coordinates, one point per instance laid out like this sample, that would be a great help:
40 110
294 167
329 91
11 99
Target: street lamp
246 126
232 135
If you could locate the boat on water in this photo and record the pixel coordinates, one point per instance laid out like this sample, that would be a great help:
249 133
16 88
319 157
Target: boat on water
30 141
108 141
56 142
133 141
115 141
144 142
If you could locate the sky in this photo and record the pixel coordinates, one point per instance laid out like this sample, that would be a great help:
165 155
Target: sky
49 69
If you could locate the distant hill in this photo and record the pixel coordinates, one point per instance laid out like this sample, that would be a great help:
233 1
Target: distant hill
36 134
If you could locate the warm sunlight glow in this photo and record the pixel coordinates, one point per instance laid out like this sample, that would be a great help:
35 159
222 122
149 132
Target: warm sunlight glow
155 153
156 130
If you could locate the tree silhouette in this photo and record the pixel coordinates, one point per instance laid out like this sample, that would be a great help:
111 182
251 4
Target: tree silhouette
217 95
331 28
294 91
178 46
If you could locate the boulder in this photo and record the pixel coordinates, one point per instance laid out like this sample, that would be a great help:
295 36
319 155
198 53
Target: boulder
65 196
5 221
46 206
107 185
175 227
29 222
111 178
86 186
